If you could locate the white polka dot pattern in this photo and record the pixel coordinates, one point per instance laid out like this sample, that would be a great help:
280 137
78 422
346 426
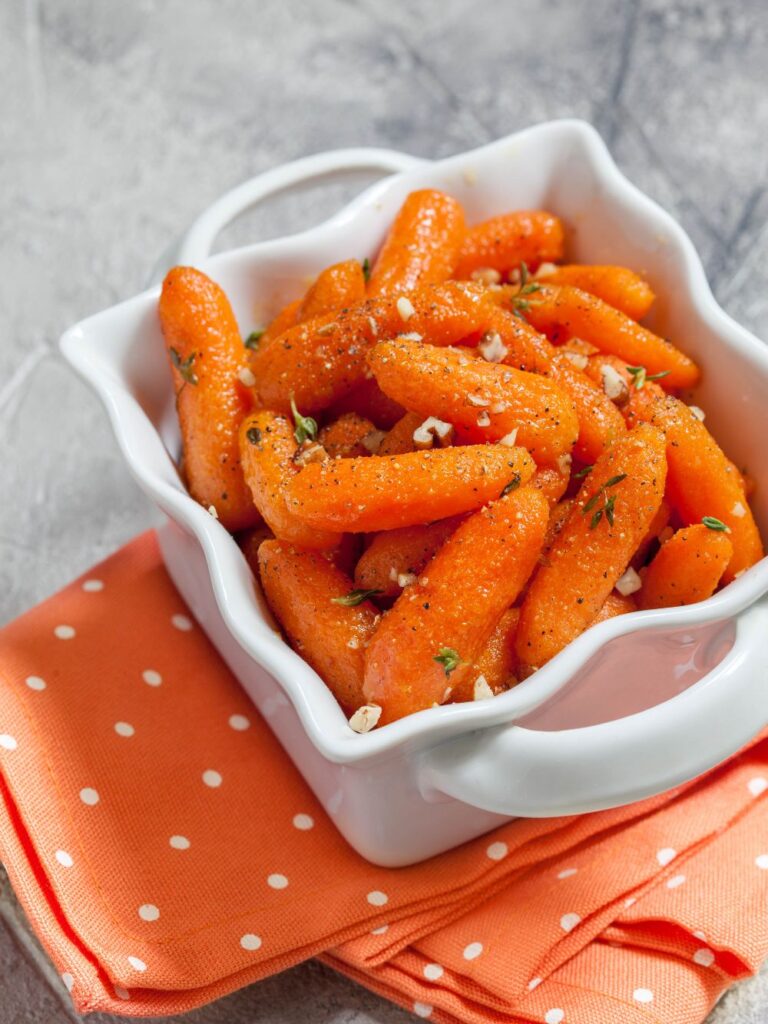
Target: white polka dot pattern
182 622
250 942
554 1016
212 778
179 843
497 851
93 586
151 677
148 912
642 995
377 898
64 858
472 951
8 742
303 822
35 683
569 921
89 796
422 1009
64 632
433 972
239 723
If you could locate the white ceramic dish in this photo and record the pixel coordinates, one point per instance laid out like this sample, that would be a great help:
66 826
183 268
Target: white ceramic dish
637 704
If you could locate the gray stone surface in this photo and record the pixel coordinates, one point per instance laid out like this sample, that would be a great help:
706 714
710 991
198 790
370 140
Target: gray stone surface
118 122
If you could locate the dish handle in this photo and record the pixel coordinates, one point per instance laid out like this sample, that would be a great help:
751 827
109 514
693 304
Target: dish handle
196 243
521 772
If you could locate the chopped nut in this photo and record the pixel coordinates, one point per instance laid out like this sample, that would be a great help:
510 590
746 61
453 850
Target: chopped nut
498 407
372 441
510 439
374 327
738 510
246 376
614 385
491 347
431 430
410 336
405 308
313 453
353 644
212 511
545 269
483 419
365 718
406 579
393 574
563 463
482 690
447 694
697 412
327 328
629 583
486 275
580 361
477 400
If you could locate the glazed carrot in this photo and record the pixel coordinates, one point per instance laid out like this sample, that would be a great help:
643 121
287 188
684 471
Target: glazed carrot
487 399
611 515
701 479
320 361
558 517
345 437
426 645
337 287
495 665
620 287
300 588
422 246
383 492
552 478
615 604
395 557
268 448
502 243
367 399
399 439
525 347
600 422
206 354
562 312
686 569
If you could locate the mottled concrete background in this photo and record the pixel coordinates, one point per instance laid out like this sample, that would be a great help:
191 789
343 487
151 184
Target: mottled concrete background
119 121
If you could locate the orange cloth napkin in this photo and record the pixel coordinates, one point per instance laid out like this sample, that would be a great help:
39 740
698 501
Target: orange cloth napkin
167 852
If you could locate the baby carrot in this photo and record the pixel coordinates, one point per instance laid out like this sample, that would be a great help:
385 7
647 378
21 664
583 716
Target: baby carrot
494 667
395 557
612 512
302 589
268 449
563 311
503 243
422 246
489 400
320 361
345 437
383 492
206 354
686 569
620 287
336 287
426 645
600 422
701 479
659 524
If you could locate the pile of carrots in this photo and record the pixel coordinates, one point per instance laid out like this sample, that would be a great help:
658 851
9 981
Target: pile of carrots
446 466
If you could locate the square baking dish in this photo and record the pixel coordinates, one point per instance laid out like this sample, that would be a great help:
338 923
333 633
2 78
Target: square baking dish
635 705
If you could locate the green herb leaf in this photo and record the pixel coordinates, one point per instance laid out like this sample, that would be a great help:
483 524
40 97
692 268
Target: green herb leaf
614 480
306 427
521 305
513 484
367 269
657 376
592 502
583 472
639 375
253 339
449 659
609 507
184 366
596 519
355 597
715 524
254 435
